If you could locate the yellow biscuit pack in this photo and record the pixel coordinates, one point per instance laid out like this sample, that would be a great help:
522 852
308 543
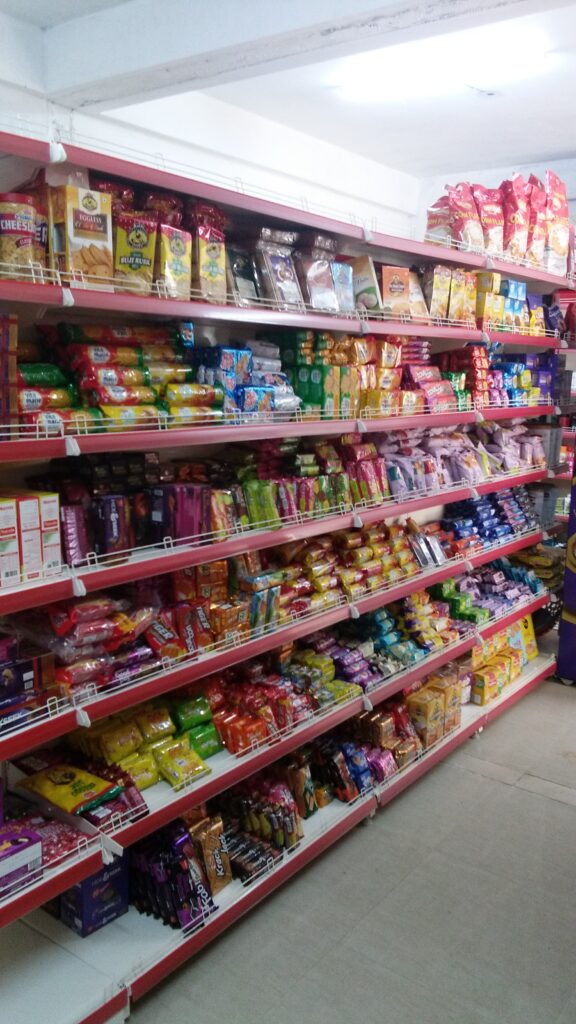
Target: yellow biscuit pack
173 269
134 250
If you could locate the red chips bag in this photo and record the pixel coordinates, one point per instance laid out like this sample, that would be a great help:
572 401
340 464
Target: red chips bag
438 222
466 227
489 206
516 217
558 225
536 197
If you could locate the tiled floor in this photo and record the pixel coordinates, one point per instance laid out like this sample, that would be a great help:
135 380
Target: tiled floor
455 905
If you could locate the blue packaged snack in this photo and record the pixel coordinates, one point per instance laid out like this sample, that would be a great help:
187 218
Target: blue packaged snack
255 399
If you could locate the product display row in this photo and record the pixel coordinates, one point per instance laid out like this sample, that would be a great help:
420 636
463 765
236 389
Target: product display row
104 775
520 220
114 378
148 241
99 508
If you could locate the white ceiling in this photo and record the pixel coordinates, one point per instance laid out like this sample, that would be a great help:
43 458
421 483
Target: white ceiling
47 13
495 95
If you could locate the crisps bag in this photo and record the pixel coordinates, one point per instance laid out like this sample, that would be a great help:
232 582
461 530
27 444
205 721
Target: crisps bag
558 226
516 217
438 227
537 222
489 205
464 220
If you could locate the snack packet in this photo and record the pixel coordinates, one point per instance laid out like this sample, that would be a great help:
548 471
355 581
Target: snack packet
464 220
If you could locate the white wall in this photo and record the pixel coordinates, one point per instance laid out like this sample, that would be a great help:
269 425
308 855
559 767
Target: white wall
213 141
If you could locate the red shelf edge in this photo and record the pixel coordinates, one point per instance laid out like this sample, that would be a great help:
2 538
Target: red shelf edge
31 736
42 448
524 340
46 888
120 1003
482 557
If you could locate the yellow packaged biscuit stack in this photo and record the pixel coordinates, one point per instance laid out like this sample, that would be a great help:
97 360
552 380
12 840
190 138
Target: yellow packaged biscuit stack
134 249
173 268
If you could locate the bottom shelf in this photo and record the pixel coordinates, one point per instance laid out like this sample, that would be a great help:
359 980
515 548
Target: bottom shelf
136 952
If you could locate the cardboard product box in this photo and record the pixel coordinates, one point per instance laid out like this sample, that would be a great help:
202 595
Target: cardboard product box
452 719
366 289
49 524
431 734
449 690
9 543
426 708
488 281
20 856
396 292
80 234
25 677
529 638
485 688
98 900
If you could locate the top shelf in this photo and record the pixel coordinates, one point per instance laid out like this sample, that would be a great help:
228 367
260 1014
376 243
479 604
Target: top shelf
391 248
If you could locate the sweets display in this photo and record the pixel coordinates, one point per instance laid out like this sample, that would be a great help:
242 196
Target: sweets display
111 504
520 221
177 873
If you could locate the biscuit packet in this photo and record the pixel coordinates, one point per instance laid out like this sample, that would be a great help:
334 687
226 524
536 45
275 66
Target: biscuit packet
489 205
80 234
134 249
436 286
438 228
516 217
173 266
208 251
464 220
418 307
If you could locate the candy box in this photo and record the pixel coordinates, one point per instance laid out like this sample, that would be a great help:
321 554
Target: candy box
20 856
98 900
488 281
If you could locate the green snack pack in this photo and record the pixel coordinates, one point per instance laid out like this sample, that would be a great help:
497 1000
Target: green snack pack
42 375
190 712
204 739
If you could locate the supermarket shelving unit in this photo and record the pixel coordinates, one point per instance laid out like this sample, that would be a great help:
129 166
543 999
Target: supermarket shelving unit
127 958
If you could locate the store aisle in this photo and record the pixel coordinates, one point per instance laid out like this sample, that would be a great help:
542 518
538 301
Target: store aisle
455 905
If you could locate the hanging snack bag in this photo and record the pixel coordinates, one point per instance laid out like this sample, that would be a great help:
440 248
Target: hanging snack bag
537 223
418 307
436 286
438 228
516 217
242 277
558 225
314 271
278 274
464 220
343 286
489 205
134 248
173 267
208 252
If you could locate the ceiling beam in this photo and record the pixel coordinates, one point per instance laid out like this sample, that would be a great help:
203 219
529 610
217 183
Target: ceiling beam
139 51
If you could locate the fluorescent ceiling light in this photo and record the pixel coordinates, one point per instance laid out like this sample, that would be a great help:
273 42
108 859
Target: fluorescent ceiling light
483 59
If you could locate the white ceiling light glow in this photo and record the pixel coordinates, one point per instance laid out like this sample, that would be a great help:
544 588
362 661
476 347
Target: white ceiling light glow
483 60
